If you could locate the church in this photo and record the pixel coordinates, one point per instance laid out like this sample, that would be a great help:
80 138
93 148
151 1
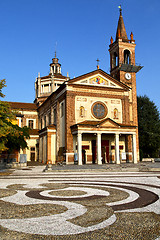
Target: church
90 119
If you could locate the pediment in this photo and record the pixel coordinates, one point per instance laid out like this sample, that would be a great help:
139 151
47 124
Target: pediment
108 123
98 78
98 81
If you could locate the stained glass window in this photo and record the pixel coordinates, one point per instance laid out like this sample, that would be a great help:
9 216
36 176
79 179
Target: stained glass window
99 110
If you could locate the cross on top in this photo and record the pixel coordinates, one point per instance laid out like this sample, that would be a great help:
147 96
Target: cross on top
120 9
98 63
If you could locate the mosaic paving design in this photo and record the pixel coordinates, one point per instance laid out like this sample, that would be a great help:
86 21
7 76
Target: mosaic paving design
94 206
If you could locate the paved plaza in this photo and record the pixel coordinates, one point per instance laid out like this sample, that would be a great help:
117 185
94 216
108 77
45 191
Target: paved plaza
79 204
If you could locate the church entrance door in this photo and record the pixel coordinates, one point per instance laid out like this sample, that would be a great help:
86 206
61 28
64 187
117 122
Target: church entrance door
83 156
104 151
94 151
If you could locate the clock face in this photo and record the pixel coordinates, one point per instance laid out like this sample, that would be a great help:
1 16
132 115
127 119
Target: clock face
128 76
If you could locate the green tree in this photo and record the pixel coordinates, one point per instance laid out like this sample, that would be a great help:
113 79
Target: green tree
149 127
12 137
2 85
16 139
6 116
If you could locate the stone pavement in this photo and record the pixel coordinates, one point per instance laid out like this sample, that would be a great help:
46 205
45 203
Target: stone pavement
80 203
140 167
124 167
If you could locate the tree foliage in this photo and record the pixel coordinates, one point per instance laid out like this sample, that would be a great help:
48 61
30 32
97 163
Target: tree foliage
16 139
2 85
12 137
149 127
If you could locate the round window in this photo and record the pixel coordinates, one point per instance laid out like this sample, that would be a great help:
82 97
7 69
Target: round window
99 110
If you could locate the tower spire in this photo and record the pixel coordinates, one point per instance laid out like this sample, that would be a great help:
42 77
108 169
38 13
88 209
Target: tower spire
121 31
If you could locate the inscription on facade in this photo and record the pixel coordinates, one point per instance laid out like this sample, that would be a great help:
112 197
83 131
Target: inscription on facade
82 99
115 101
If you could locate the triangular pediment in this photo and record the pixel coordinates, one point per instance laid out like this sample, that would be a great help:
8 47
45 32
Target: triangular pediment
100 124
99 81
108 123
97 78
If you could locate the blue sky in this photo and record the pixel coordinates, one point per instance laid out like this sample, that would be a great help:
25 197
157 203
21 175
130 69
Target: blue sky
82 29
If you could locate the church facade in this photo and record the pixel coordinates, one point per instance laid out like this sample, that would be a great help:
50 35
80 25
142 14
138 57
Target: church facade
91 118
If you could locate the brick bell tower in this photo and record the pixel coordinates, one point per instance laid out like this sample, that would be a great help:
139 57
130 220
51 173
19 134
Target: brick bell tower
124 69
122 64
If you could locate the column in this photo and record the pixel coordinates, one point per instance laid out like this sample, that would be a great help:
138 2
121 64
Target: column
53 148
38 87
40 149
79 154
44 149
117 148
134 149
52 87
99 159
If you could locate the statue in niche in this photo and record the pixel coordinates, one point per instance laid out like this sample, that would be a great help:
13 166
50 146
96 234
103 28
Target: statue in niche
82 111
115 113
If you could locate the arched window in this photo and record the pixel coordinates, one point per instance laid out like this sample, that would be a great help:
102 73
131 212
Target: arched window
30 124
49 119
115 60
41 123
45 121
81 111
115 113
62 109
127 59
55 116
